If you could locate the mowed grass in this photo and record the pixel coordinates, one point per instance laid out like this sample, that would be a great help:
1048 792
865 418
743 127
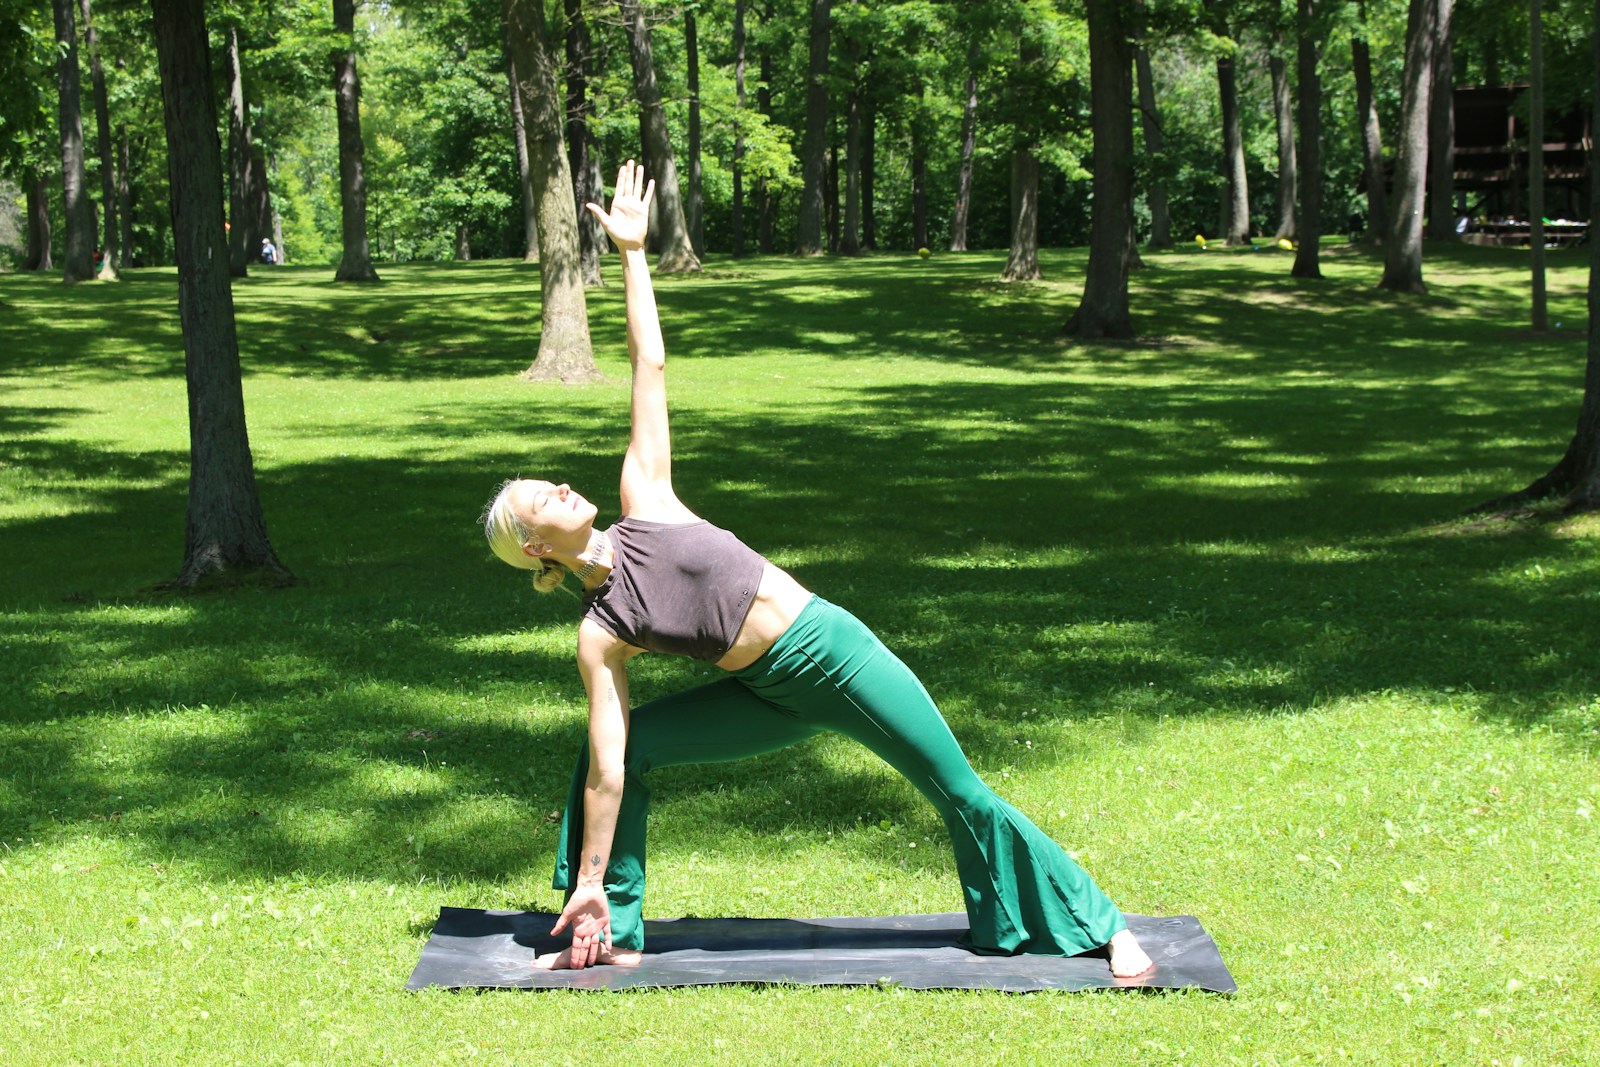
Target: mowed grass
1201 605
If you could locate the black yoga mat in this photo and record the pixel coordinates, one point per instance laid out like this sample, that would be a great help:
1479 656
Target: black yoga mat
472 949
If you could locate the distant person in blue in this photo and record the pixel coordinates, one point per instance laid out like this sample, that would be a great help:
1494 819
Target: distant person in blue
663 579
268 253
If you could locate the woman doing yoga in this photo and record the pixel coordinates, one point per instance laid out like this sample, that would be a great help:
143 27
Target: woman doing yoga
662 579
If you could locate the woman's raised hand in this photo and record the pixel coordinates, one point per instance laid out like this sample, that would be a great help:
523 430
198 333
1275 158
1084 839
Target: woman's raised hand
629 218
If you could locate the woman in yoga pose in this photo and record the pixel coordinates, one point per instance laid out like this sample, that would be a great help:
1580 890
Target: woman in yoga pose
663 579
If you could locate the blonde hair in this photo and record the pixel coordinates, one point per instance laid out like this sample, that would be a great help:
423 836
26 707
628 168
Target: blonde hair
506 535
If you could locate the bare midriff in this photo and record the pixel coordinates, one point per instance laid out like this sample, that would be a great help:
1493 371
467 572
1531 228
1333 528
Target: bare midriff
778 602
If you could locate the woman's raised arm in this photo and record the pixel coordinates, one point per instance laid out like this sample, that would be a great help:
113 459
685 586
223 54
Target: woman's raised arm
647 468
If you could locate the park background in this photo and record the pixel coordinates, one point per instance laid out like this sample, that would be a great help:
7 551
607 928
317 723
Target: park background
1212 601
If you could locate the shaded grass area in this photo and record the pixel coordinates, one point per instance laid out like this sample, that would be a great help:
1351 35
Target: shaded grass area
1199 604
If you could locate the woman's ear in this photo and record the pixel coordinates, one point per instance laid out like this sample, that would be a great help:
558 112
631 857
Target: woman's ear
536 549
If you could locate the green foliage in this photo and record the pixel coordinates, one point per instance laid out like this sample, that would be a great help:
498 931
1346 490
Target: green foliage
1199 607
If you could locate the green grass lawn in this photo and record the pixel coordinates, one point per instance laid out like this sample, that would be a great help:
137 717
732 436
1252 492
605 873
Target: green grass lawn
1201 605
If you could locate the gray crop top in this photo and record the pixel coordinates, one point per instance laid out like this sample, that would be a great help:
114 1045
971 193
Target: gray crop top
679 588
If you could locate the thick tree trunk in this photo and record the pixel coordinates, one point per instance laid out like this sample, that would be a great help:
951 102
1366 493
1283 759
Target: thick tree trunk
1236 210
1540 313
110 244
1155 148
1371 137
1402 267
519 137
356 264
277 236
239 247
1283 114
696 210
259 209
38 194
1307 258
1442 132
1103 311
969 145
813 164
1576 476
124 194
588 186
565 351
225 528
738 129
78 257
1022 265
463 243
670 228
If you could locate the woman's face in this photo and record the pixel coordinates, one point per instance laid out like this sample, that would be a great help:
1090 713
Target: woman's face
553 514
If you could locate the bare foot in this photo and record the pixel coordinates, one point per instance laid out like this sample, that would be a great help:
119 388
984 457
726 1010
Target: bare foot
562 961
1128 960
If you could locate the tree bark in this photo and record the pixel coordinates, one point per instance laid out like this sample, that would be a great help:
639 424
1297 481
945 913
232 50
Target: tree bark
588 186
463 244
766 199
738 129
1576 476
1103 310
110 245
969 145
1539 309
1371 137
814 147
850 241
565 350
830 199
259 209
1442 131
519 137
1236 211
869 170
356 264
78 257
919 175
696 206
1402 268
239 247
1307 258
38 193
225 528
670 230
1155 148
1283 114
124 192
1022 265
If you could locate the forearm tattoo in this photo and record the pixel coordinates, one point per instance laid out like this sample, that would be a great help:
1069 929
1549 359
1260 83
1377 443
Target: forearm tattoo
595 859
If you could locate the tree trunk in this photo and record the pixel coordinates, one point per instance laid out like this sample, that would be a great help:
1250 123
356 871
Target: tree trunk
124 193
588 186
463 243
239 248
671 230
1402 267
813 164
1576 477
519 137
1236 211
356 264
1155 148
696 206
38 193
869 170
225 528
850 242
259 210
766 199
109 247
919 177
1103 311
1283 113
565 351
1540 315
277 236
1442 132
78 258
1371 138
1022 265
969 145
738 129
1307 258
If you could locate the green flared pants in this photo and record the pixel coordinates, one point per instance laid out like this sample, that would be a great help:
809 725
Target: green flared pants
1023 893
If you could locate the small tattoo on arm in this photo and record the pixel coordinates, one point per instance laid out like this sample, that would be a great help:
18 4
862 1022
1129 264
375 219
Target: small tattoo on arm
595 859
